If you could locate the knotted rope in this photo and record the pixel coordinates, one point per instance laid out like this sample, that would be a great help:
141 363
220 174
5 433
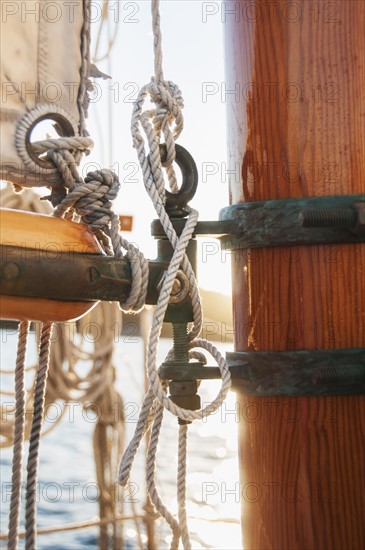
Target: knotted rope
91 199
166 120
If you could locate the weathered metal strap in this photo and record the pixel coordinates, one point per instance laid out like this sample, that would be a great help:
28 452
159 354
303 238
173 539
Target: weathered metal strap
303 221
291 373
285 222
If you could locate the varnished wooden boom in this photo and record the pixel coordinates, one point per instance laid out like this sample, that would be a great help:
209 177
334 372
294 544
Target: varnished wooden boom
296 129
48 236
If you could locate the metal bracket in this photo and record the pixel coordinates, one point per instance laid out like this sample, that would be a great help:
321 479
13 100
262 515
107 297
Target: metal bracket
285 222
313 220
290 373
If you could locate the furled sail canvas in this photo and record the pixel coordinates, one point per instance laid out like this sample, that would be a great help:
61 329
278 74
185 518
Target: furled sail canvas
44 75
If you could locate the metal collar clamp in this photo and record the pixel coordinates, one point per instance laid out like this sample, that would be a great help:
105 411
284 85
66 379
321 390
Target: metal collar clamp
314 220
284 222
290 373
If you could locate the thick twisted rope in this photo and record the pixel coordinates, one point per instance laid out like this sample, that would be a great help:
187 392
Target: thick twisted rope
16 479
151 480
73 143
82 98
166 120
154 184
92 200
181 483
32 464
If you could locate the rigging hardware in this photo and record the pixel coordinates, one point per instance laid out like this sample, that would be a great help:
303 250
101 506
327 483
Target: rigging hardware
179 312
284 222
291 373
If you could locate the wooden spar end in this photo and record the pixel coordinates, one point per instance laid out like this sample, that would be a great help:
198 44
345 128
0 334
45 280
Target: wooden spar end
49 236
38 309
39 231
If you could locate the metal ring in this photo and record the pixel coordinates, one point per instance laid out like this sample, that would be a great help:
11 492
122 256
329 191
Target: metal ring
176 202
27 124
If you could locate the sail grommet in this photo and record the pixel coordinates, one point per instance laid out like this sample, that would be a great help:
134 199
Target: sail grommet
65 127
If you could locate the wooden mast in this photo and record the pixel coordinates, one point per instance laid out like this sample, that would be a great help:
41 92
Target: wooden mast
296 129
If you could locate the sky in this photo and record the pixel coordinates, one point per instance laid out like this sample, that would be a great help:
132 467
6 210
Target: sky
192 43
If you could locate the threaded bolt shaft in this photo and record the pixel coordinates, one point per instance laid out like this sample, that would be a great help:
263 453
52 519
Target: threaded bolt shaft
338 375
181 342
329 217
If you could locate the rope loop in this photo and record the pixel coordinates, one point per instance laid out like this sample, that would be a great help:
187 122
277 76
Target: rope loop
186 414
166 121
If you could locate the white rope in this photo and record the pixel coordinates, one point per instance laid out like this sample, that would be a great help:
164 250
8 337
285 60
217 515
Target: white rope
181 485
34 441
151 480
17 463
73 143
29 121
166 120
91 200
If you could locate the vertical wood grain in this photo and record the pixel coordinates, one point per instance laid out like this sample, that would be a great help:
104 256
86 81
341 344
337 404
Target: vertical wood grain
297 129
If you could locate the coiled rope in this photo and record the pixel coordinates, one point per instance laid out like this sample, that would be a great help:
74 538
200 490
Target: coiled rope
166 120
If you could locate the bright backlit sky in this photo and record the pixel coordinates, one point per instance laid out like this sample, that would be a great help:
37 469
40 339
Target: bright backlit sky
192 58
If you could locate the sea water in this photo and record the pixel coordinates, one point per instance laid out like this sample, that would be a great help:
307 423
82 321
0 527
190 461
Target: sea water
67 491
